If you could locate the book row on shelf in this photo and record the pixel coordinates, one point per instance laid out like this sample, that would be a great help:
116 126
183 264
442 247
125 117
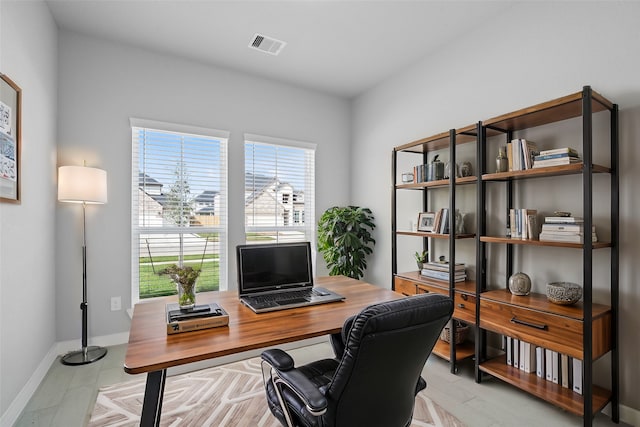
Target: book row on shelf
523 154
550 365
523 224
440 271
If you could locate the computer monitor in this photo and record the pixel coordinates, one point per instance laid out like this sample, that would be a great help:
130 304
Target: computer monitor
267 267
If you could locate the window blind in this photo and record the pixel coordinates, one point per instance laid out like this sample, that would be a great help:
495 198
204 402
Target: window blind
279 190
179 206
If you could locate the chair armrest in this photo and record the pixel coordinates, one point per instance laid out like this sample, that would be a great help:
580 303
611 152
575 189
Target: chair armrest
279 359
306 390
284 373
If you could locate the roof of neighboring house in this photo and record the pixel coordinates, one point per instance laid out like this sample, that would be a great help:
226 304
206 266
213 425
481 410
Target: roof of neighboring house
206 196
260 183
144 179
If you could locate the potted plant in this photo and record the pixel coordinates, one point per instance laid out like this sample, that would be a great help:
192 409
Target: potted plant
185 278
344 239
421 258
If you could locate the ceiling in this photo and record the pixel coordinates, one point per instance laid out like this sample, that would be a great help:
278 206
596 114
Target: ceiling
339 47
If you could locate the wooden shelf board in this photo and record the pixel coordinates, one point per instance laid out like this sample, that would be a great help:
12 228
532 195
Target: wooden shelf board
573 169
510 241
435 235
545 390
463 351
440 141
441 183
539 302
556 110
466 287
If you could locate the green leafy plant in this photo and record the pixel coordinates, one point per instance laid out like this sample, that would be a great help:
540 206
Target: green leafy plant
344 239
421 257
185 278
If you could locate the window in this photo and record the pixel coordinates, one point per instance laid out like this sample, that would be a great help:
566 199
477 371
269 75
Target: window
179 206
279 190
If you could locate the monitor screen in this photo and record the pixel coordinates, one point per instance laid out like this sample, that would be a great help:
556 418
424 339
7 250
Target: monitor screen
264 267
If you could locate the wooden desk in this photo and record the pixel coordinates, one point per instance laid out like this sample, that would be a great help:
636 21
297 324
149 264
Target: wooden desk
151 350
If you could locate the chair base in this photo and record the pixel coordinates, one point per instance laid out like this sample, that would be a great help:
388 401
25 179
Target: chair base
84 356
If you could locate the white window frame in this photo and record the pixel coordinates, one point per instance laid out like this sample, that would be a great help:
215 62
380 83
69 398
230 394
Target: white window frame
222 229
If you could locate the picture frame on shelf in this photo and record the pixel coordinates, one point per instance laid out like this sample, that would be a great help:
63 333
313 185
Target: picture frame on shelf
426 221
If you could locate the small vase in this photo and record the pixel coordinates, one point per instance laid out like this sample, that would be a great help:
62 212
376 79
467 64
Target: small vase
420 265
502 162
186 295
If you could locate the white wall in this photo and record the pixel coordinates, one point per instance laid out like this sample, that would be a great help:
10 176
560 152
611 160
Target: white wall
101 86
531 54
28 55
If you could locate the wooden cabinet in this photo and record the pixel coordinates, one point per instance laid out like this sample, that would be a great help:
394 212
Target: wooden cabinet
585 331
433 195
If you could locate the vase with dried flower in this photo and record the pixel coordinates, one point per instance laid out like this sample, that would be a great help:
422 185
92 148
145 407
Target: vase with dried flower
185 279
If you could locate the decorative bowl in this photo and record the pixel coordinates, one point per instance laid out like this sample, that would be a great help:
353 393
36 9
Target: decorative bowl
564 293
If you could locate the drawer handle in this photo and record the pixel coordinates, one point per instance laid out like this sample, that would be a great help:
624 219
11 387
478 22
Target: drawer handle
531 325
464 297
460 305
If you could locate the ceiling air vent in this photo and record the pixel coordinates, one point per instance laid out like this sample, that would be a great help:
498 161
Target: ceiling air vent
266 44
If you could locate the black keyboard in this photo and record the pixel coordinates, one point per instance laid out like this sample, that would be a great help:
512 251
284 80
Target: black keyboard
291 297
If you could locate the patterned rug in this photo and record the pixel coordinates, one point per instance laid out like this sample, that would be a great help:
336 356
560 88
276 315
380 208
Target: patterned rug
227 395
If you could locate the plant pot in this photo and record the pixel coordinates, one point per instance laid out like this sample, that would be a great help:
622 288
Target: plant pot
186 295
420 265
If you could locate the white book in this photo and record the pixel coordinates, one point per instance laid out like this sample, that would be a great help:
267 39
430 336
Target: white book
548 364
577 376
509 351
540 362
564 370
522 355
555 367
529 358
559 151
516 352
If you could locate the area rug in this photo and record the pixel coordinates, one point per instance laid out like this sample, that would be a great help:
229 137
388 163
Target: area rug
227 395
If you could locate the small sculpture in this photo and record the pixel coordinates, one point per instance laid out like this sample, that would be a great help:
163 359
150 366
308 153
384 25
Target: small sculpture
520 284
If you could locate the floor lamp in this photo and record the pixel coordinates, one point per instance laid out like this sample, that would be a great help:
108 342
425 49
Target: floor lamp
81 184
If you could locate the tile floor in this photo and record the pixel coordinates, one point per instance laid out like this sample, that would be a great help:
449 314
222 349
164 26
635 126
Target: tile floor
67 395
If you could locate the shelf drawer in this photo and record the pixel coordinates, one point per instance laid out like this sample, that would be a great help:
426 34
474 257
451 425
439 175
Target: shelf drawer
548 330
465 308
425 289
405 287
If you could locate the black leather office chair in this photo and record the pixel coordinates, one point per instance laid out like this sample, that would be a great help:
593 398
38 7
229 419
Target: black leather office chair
375 376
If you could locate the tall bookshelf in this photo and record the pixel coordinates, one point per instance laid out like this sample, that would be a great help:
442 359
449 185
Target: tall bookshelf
412 282
585 331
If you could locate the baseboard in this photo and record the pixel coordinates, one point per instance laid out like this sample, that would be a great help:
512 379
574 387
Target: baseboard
11 415
629 415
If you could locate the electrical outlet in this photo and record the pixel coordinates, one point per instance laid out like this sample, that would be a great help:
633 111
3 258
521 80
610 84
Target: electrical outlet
116 303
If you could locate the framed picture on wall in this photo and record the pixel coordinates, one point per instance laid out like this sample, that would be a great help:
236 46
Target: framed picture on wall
426 221
10 112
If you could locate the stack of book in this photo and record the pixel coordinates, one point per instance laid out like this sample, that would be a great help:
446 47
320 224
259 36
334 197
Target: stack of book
565 229
199 317
523 224
556 157
547 364
440 271
521 153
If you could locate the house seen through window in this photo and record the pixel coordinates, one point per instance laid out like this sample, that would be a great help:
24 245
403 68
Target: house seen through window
279 190
179 206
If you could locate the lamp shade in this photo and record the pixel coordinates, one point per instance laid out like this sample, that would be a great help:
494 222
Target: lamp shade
81 184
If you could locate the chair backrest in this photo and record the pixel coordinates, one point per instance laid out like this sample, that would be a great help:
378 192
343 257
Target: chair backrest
386 348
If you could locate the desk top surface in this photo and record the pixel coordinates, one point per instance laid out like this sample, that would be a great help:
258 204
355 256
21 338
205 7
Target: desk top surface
151 349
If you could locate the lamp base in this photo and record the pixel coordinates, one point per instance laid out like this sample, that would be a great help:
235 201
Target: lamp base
82 357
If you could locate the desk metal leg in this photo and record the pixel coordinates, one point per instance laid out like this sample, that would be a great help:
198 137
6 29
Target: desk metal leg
152 405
